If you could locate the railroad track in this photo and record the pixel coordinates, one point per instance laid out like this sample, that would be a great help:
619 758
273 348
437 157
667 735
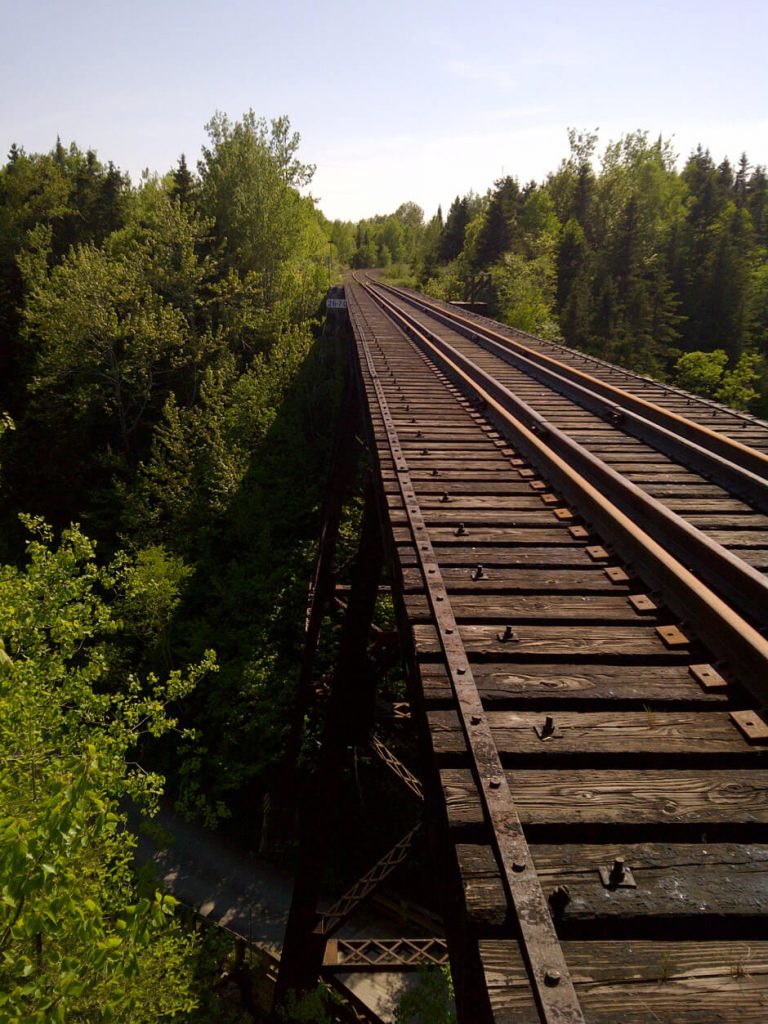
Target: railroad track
589 660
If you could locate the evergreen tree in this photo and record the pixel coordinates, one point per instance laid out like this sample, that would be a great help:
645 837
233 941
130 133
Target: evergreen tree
184 185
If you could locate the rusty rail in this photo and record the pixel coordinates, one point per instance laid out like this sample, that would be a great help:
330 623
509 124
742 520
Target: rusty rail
585 481
548 972
739 465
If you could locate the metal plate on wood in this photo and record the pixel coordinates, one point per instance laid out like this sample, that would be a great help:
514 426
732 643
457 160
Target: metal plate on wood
752 725
642 604
672 636
616 574
578 532
707 677
563 514
618 876
597 553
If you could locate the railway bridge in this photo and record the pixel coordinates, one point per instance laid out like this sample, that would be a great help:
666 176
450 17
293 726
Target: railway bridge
578 559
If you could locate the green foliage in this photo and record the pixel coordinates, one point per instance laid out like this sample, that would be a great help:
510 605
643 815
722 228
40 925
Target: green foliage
77 940
430 1001
525 292
701 372
635 259
315 1007
704 373
268 231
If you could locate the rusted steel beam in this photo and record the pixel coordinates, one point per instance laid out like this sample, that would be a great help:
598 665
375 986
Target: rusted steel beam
402 954
396 766
321 588
349 718
365 887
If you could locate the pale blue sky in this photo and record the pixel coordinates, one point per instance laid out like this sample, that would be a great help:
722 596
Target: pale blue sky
394 101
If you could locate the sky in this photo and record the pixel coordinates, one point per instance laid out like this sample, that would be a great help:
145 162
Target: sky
394 101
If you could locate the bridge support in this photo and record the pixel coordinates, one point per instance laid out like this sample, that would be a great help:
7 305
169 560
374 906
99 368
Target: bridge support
348 720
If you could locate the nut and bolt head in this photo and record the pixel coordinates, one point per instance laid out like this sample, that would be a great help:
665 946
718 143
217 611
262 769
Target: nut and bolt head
552 978
549 726
617 871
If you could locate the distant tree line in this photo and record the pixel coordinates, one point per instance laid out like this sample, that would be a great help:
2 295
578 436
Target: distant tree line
661 270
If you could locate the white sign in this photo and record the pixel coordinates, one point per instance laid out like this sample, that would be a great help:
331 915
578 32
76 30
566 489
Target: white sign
335 303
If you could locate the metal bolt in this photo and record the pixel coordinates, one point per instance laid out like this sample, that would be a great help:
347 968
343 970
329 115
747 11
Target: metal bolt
507 636
559 899
434 472
461 530
549 726
475 719
494 783
518 866
445 497
478 574
552 978
617 871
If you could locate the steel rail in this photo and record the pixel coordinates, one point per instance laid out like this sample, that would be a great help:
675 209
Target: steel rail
733 638
742 482
551 983
728 455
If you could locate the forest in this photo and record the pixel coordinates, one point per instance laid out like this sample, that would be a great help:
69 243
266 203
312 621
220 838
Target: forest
621 254
167 409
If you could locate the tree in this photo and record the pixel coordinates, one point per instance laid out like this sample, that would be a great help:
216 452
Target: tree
79 939
105 340
184 184
249 189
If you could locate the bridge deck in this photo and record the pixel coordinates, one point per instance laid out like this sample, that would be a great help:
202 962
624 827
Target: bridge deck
603 804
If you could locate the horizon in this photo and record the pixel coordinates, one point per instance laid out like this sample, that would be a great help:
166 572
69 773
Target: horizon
463 97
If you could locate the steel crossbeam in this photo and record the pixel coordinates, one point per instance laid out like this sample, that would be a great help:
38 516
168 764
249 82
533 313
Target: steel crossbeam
343 909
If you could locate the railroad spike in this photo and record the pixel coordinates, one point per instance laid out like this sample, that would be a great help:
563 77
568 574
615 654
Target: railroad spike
618 875
461 530
479 573
549 730
508 636
559 899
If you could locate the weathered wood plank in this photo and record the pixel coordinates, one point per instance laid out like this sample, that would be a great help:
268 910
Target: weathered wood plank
555 641
740 538
564 683
678 880
494 559
503 580
683 733
527 534
551 607
641 982
581 796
